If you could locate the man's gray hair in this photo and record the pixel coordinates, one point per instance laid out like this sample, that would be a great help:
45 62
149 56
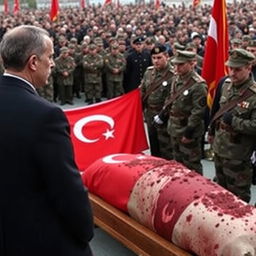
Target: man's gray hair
20 43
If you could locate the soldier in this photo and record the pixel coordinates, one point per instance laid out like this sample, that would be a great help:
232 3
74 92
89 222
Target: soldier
233 127
136 64
245 41
252 48
64 69
115 65
236 43
93 64
155 88
47 91
186 106
199 59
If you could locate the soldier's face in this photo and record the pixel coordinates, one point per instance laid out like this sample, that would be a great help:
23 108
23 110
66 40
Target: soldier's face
183 68
159 60
239 75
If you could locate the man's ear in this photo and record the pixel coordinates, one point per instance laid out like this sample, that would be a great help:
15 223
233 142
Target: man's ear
32 62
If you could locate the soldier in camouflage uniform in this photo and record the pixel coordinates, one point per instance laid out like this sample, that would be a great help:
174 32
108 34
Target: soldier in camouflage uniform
93 64
115 66
155 88
234 131
47 91
186 112
64 68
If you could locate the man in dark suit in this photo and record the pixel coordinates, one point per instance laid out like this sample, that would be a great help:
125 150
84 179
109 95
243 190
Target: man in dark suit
44 207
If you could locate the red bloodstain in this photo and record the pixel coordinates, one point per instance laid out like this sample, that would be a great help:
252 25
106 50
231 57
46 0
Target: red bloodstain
189 218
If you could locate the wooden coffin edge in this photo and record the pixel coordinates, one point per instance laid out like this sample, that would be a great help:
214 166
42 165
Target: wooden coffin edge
130 233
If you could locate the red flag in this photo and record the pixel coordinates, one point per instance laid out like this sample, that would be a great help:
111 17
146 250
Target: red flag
82 4
157 4
54 10
6 6
107 2
196 3
216 52
114 126
16 6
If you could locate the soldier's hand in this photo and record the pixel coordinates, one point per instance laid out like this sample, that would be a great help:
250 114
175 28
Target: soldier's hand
158 120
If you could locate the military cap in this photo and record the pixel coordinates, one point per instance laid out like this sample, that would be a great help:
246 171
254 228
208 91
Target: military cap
71 46
194 35
252 43
190 46
158 49
63 49
236 41
73 40
98 41
62 38
183 57
150 40
178 46
246 38
84 45
138 40
114 46
92 46
239 57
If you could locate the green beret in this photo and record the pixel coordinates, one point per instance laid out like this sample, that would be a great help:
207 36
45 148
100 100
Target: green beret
246 38
92 46
178 46
236 41
183 57
252 43
239 57
63 49
158 48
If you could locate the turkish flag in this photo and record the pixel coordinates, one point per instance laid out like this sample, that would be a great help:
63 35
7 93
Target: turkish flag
216 51
6 6
107 2
157 4
16 6
113 126
54 10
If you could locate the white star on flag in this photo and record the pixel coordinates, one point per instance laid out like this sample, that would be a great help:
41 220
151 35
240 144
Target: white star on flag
108 134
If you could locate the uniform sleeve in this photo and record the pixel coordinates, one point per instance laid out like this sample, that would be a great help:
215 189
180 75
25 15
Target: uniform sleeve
66 193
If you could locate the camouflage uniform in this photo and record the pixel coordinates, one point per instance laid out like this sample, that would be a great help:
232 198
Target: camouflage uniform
64 68
93 65
160 141
115 66
47 91
235 132
186 115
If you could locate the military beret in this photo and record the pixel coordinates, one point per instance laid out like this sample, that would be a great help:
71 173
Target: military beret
73 40
92 46
236 41
252 43
114 46
178 46
239 57
183 57
138 40
246 38
63 49
158 49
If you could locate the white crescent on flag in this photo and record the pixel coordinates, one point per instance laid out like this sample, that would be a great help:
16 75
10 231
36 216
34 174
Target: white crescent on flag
213 29
110 158
79 125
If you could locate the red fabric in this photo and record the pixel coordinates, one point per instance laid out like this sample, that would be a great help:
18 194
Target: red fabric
16 6
157 4
6 6
216 52
114 126
54 10
113 177
107 2
82 4
196 3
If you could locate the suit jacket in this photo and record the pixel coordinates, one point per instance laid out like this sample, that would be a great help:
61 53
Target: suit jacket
44 207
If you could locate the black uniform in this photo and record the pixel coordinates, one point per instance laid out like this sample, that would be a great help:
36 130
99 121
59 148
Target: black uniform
136 65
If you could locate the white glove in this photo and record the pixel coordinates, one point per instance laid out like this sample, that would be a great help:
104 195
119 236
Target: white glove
158 120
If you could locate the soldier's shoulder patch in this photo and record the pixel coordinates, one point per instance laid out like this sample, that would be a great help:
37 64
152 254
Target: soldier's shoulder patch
197 78
253 87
